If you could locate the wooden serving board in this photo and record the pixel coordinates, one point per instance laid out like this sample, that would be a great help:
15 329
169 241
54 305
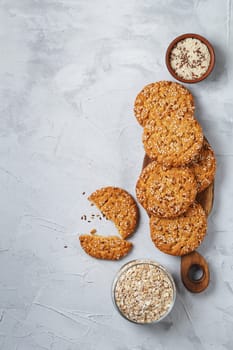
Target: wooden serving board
194 260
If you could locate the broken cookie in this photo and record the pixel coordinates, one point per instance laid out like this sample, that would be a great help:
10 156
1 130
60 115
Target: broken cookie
119 206
102 247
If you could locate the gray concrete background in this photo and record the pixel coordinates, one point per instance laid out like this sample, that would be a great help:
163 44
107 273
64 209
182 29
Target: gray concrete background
69 73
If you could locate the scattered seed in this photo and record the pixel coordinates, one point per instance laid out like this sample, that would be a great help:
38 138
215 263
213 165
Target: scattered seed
190 58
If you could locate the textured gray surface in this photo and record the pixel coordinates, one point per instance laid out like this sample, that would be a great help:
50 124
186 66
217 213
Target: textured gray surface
69 73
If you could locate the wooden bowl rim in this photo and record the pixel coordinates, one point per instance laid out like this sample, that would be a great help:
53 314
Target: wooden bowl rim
211 51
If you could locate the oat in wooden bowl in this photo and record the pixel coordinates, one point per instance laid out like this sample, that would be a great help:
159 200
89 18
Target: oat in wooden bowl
190 58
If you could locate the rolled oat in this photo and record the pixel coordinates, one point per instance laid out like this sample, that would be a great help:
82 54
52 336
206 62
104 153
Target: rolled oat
144 292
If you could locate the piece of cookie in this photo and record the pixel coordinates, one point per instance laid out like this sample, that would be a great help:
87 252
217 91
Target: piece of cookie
166 192
180 235
171 140
108 248
157 99
204 167
119 206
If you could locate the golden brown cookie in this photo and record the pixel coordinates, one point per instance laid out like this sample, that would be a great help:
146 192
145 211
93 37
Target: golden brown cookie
101 247
180 235
172 140
166 192
119 206
157 99
204 167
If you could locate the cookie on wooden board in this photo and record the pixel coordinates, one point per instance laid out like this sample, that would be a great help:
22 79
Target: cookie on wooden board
102 247
157 99
166 192
172 140
119 206
180 235
204 167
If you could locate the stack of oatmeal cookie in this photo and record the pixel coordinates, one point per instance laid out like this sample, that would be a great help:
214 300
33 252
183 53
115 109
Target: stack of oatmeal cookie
181 165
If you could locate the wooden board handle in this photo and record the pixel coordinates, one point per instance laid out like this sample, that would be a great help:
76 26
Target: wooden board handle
194 272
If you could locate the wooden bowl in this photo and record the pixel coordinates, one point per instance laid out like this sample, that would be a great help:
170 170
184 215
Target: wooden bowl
204 41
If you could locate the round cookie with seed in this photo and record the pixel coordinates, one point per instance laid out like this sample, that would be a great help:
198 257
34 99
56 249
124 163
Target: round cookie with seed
119 206
108 248
204 167
166 192
173 140
180 235
157 99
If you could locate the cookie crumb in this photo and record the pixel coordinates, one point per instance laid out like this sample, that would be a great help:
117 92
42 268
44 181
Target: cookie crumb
93 231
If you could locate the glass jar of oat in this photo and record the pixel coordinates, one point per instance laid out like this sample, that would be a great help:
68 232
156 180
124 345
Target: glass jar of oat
143 291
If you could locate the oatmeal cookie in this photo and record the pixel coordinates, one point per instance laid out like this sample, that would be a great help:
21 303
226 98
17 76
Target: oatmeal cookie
204 167
172 140
166 192
180 235
108 248
119 206
157 99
